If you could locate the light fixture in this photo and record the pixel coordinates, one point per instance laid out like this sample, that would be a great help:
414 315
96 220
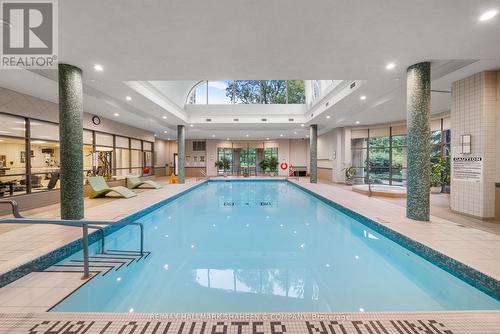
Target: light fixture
213 136
116 114
246 136
295 132
328 117
227 138
390 66
154 135
362 97
281 135
128 98
191 125
302 125
98 68
164 117
165 131
357 122
488 15
38 141
1 140
267 138
168 138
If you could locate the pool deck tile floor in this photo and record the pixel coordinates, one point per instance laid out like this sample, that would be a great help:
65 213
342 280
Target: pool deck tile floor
275 323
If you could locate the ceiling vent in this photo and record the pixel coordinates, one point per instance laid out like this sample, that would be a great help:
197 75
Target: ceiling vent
327 104
353 85
263 119
236 119
291 119
208 120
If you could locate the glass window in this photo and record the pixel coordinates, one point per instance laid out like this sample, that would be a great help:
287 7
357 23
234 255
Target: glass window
103 139
136 158
135 144
44 156
12 156
12 126
199 95
44 130
12 185
88 157
122 158
219 92
122 142
296 92
147 146
88 137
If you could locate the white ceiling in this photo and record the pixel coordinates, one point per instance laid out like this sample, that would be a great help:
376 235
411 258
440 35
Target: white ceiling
160 41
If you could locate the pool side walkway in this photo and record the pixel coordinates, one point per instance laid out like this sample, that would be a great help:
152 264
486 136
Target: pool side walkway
474 247
235 323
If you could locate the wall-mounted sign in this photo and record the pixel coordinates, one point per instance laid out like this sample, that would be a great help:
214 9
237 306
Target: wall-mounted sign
468 169
465 142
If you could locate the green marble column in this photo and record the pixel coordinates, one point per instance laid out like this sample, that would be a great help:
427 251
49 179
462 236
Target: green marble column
181 152
71 141
313 153
418 141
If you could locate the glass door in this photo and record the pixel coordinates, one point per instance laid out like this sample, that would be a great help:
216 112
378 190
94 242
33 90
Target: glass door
248 161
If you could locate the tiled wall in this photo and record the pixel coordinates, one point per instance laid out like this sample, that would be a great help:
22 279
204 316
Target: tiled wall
475 111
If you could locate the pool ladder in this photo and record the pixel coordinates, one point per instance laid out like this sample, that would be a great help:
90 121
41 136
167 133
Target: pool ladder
84 224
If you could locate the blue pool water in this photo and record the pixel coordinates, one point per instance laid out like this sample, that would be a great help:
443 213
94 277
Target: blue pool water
266 246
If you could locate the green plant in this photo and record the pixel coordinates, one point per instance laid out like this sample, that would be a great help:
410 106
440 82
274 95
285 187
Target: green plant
272 164
264 165
223 164
350 172
438 167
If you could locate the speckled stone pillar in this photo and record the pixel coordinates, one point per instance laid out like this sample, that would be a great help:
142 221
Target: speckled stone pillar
313 153
181 153
71 141
418 142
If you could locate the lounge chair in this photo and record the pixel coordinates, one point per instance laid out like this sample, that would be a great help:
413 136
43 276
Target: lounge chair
100 188
135 182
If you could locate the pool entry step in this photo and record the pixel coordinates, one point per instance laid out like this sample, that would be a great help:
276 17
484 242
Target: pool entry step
102 262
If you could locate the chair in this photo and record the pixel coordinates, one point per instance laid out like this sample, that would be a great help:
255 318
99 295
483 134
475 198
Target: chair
54 177
99 188
134 182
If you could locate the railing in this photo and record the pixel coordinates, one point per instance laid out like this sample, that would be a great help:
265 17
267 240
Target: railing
84 224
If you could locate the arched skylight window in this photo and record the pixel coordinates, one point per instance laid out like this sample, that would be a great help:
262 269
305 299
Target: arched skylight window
248 92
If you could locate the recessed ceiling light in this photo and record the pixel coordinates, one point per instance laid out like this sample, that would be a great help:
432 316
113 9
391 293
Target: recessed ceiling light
357 122
488 15
213 136
267 138
295 132
116 114
154 135
128 98
281 135
247 135
362 97
227 138
390 66
164 117
191 125
98 68
168 138
302 125
328 117
165 131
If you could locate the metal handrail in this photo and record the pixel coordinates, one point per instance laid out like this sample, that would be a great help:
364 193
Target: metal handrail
15 207
85 224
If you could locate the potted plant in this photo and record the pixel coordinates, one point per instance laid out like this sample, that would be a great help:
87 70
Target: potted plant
223 164
436 175
273 165
350 172
264 165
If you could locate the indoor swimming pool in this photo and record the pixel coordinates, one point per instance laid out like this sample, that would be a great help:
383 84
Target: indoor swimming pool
265 246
